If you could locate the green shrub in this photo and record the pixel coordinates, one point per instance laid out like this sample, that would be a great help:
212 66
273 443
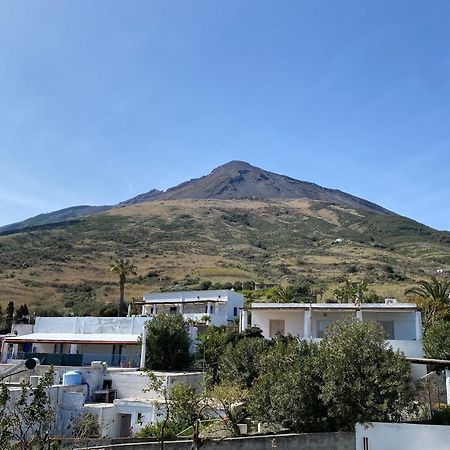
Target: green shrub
167 342
441 416
437 341
154 430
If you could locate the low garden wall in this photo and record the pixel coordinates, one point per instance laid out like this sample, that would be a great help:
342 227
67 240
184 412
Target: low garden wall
306 441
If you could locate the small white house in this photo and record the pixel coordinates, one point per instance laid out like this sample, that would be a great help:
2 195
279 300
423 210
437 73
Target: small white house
119 397
220 306
136 406
401 322
77 341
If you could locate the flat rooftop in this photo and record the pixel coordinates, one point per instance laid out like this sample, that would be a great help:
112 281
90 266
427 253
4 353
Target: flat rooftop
219 295
76 338
336 306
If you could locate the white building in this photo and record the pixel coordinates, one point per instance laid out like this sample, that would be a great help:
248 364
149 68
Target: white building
136 406
119 397
402 322
220 306
77 341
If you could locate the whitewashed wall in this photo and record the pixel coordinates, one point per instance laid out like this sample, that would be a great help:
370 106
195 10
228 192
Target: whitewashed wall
132 384
89 325
109 421
402 436
404 322
294 321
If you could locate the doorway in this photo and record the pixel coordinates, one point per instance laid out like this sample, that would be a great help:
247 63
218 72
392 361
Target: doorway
125 425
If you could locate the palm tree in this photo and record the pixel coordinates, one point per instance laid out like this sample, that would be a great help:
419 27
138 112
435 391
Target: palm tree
284 294
437 290
123 267
433 299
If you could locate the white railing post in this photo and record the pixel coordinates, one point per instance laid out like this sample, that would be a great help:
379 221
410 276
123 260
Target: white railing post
419 330
243 320
143 347
307 333
73 349
5 351
447 384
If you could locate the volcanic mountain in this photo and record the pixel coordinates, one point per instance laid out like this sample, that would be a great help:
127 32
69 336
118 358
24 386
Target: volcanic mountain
238 224
241 180
233 180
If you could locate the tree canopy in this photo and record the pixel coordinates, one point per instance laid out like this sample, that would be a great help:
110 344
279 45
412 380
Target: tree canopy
241 360
436 342
27 416
287 392
433 299
350 377
167 342
363 378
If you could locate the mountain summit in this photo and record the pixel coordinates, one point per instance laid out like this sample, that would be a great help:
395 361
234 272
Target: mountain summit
241 180
235 180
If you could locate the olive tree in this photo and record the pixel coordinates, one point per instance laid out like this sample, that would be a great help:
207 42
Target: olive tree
240 361
27 415
287 392
363 379
167 342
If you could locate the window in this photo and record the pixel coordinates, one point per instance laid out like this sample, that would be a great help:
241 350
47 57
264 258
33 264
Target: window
388 327
173 309
59 348
276 327
365 443
322 326
235 311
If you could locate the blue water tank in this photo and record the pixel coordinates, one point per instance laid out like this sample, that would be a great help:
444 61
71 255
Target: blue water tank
72 378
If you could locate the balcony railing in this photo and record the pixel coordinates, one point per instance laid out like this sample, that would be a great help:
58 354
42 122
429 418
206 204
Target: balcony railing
84 359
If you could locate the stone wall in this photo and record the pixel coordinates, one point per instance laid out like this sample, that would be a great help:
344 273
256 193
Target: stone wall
307 441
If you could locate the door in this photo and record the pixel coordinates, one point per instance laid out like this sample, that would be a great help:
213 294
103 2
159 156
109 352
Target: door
276 326
125 425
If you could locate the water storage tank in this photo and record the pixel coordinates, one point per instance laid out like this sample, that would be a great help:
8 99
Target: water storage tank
72 378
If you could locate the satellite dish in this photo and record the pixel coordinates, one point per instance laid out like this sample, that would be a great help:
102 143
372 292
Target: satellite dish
31 363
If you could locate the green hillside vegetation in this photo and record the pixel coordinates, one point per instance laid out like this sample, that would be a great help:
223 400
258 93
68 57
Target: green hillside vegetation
183 244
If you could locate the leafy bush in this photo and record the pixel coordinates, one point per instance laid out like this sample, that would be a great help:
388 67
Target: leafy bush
363 380
350 377
441 416
171 430
241 361
87 427
109 310
288 390
437 341
167 342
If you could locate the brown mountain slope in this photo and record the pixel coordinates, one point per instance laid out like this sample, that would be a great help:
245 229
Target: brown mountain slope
234 180
177 243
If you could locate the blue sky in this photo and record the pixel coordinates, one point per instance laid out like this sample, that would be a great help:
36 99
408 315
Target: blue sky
103 100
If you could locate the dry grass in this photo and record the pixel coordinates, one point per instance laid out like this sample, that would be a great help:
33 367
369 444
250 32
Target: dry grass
220 241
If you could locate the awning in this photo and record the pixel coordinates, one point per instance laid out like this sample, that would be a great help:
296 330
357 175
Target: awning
74 338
